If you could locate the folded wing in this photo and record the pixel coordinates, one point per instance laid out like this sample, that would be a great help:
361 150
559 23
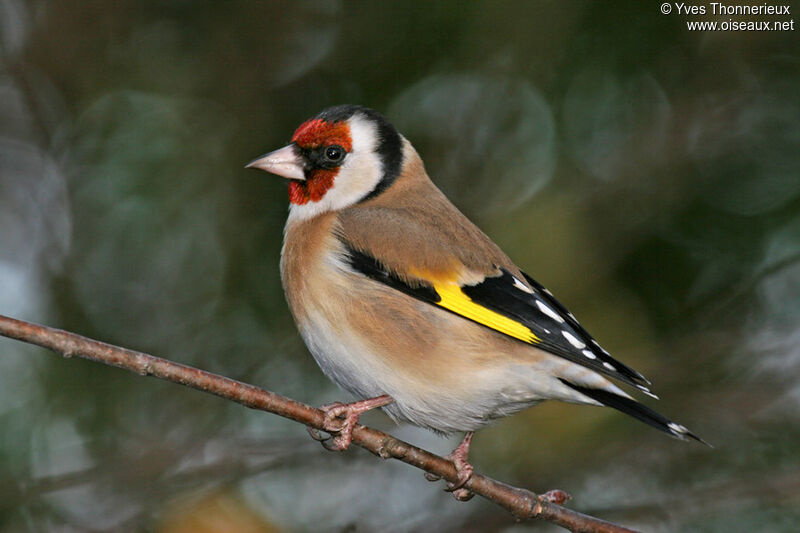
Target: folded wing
523 310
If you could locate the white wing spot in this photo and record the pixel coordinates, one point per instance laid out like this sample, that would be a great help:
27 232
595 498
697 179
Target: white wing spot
589 354
521 286
572 340
548 292
544 308
609 366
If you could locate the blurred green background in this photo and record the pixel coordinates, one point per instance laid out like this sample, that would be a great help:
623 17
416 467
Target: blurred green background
647 174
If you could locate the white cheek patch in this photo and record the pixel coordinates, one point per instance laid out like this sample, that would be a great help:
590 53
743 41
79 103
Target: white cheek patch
359 174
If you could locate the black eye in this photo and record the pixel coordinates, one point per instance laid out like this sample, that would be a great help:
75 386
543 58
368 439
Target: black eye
334 153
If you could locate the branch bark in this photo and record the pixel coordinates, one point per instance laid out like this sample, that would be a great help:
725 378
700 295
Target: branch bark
523 504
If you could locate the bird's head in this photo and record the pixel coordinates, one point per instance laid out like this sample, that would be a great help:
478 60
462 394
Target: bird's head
342 156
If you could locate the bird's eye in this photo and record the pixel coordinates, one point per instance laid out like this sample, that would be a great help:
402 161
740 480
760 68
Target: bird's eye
334 153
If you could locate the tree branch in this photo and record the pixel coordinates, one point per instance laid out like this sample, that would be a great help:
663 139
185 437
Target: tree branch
522 503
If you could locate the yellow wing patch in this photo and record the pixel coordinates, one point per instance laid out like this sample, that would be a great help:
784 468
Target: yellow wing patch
453 299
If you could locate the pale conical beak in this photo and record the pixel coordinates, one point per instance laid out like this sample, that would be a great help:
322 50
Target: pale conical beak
284 162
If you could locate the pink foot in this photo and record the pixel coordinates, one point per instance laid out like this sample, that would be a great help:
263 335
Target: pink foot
341 418
464 470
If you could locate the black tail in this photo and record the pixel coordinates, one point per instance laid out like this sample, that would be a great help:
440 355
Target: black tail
637 411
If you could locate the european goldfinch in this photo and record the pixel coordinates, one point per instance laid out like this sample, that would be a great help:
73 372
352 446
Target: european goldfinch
409 306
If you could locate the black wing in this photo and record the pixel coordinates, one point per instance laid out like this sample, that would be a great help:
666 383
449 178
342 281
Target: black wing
558 330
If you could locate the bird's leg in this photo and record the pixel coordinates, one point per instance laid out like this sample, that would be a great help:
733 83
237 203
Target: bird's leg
463 469
341 418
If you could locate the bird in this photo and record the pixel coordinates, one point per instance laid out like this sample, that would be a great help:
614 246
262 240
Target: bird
410 307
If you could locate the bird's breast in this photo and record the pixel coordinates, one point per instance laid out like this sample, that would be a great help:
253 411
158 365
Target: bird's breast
322 298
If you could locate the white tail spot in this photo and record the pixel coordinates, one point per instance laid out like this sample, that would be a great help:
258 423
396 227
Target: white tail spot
677 428
647 391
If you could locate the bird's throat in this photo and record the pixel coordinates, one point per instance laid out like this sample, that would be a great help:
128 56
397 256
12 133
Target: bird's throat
314 188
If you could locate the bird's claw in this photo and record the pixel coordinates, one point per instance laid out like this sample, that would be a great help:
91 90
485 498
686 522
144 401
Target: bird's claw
463 468
335 444
456 489
462 495
464 471
339 438
339 420
316 435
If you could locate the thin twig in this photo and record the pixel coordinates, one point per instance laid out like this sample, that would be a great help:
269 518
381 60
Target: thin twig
522 503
